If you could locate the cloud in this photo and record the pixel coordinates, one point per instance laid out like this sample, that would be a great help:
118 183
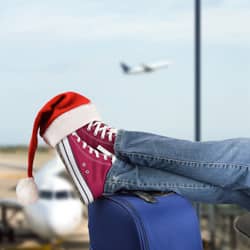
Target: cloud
226 24
222 23
104 27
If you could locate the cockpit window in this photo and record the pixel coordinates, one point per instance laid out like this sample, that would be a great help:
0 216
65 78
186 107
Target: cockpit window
61 195
47 195
58 195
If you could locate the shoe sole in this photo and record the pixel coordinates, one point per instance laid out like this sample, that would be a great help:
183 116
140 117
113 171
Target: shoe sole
67 156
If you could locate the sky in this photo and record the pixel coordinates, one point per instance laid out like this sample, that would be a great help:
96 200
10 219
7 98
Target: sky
49 47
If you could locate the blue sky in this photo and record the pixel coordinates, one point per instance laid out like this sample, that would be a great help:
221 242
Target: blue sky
47 47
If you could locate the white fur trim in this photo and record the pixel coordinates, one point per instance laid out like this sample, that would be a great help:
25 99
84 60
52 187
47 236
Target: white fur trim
70 121
27 191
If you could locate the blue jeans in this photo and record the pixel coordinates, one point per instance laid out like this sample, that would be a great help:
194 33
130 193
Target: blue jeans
212 172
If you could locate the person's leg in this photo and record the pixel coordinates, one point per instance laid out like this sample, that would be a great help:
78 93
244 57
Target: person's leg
219 163
123 176
59 121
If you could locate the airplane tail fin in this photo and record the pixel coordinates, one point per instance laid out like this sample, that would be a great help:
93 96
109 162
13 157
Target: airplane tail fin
125 67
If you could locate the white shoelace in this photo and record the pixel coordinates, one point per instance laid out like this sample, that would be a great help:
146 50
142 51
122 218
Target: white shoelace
91 150
105 129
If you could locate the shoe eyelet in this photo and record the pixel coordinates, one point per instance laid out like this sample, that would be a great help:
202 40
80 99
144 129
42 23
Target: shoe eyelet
87 171
83 164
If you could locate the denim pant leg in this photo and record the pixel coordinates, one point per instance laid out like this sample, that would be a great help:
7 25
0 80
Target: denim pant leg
220 163
123 176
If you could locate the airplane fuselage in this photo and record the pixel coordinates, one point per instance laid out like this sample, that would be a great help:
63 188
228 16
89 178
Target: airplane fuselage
143 68
56 218
58 211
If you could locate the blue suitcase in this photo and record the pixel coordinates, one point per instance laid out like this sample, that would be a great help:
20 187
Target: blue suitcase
126 222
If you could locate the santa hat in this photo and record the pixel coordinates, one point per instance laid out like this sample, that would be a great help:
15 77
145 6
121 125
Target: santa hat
59 117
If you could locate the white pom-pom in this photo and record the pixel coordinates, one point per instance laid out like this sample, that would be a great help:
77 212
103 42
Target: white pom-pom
27 191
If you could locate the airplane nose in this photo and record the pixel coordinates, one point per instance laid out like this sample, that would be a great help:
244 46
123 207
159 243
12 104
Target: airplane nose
65 222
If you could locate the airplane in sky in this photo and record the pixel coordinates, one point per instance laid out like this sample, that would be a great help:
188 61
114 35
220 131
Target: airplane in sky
144 68
58 211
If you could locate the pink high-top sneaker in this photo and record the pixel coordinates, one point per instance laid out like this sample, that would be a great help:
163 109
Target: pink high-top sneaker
55 122
87 166
99 136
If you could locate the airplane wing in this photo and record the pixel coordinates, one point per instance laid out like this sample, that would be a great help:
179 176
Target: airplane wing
5 206
147 68
7 229
11 204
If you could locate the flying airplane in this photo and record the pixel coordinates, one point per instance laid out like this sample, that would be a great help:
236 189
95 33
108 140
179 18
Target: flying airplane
143 68
58 211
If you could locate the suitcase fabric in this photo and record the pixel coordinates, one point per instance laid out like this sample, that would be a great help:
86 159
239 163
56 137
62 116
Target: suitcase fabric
126 222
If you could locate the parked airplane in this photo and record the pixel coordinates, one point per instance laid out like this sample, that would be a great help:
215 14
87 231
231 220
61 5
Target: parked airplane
58 211
143 68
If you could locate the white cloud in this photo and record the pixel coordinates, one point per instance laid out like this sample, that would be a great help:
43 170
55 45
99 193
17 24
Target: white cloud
93 27
224 23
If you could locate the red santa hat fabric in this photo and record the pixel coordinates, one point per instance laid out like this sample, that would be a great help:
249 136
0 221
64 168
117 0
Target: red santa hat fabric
59 117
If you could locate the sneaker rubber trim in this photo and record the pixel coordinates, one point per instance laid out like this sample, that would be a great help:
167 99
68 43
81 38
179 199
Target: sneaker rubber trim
73 170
